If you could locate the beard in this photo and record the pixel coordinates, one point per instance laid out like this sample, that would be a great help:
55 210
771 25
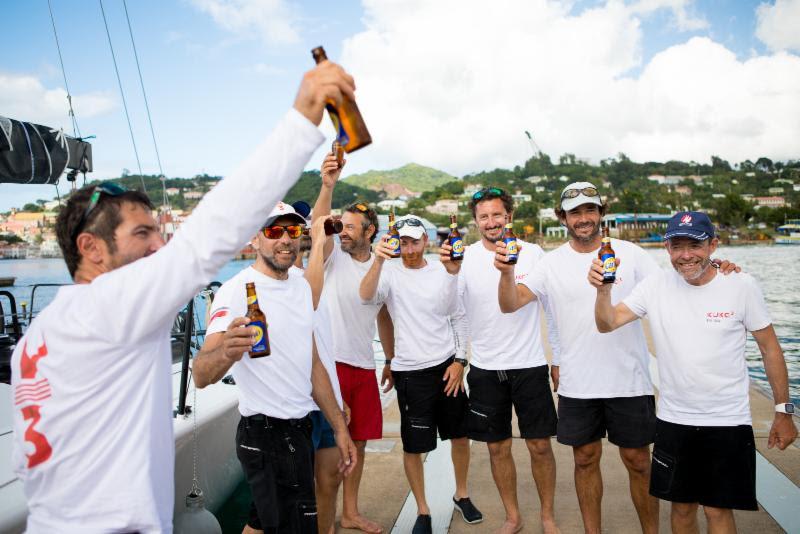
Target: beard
282 264
697 271
585 239
351 246
487 233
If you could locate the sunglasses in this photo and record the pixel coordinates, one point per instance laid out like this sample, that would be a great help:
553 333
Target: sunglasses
363 208
488 191
586 191
409 222
108 188
276 231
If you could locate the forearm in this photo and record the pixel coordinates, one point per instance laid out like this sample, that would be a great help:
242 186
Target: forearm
777 374
322 207
604 312
507 293
209 366
315 270
322 392
369 284
386 332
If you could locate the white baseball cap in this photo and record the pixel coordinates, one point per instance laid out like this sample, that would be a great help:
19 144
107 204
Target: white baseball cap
283 210
411 226
582 192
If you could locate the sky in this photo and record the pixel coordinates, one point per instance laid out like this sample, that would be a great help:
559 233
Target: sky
452 84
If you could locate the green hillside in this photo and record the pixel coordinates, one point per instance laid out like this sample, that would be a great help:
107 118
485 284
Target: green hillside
412 176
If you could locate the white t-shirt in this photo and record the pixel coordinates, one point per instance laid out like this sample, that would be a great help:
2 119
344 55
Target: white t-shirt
594 365
699 334
278 385
422 303
93 435
352 322
499 341
324 339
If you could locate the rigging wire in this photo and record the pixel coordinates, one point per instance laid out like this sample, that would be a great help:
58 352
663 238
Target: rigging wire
76 131
165 200
122 93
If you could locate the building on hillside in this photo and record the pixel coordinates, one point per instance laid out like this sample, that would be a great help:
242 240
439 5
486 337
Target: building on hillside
536 179
521 197
748 197
775 190
193 195
471 189
563 178
547 214
698 180
717 195
657 178
770 202
172 191
683 190
389 204
444 206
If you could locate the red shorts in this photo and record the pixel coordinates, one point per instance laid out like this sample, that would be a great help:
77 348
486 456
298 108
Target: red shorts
360 392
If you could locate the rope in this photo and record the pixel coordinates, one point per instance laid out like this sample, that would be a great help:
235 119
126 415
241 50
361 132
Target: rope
165 199
122 94
75 128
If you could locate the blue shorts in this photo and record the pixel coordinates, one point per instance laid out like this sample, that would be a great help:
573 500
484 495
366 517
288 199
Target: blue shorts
321 431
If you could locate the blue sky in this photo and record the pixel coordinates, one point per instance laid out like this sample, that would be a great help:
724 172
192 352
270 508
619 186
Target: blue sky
220 73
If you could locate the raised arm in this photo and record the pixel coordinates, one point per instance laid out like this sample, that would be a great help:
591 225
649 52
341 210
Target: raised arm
315 270
511 296
783 431
147 294
607 317
330 172
369 284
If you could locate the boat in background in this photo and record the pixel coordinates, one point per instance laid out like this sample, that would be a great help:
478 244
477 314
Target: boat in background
789 233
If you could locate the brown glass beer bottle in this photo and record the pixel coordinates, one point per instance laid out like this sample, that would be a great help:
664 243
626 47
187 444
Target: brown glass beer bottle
258 321
333 226
510 239
351 131
607 256
455 241
394 237
338 151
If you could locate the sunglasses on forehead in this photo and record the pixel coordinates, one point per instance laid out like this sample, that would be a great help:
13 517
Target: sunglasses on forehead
410 222
276 231
490 192
586 191
363 208
105 188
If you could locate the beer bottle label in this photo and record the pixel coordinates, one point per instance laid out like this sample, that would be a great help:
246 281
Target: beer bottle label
260 344
341 135
458 246
252 299
609 266
394 243
511 246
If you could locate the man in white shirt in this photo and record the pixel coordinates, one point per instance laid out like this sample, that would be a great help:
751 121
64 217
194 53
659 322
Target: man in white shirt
276 392
612 395
704 451
353 330
507 366
428 366
98 357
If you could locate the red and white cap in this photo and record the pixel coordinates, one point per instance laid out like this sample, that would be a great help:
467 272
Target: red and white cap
283 210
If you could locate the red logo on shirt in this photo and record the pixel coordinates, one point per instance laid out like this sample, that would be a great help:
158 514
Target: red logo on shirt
222 312
30 392
719 316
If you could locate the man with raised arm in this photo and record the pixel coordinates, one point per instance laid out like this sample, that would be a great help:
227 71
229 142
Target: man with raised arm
429 362
353 330
704 451
93 438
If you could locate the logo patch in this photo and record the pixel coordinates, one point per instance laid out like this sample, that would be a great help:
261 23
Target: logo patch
686 220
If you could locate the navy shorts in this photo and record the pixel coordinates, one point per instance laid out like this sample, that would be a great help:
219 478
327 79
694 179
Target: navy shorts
321 431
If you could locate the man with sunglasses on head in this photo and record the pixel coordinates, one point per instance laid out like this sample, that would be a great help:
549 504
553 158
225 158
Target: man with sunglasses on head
429 362
276 392
353 329
93 435
507 366
612 395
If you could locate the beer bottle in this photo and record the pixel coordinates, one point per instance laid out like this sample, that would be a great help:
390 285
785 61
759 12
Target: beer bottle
394 237
258 321
351 131
511 241
607 256
455 241
333 226
338 151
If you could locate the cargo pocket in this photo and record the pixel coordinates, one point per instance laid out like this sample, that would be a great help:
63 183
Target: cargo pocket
248 449
480 419
306 518
662 473
285 461
419 435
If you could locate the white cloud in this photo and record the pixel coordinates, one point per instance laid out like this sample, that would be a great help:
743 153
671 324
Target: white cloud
23 97
454 84
685 19
778 25
271 20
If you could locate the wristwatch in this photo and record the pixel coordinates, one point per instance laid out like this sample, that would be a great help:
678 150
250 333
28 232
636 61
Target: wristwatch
388 361
785 408
462 361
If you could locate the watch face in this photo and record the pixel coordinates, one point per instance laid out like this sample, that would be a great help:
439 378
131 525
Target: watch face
789 408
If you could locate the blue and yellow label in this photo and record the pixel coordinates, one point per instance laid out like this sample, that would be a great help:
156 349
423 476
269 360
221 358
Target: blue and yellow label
341 135
394 244
511 246
260 343
252 300
458 245
609 267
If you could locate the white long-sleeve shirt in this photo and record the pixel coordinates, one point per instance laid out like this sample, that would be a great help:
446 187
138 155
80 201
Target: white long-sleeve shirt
93 441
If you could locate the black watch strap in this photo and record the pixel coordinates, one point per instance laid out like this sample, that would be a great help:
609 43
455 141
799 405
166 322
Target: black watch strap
388 361
462 361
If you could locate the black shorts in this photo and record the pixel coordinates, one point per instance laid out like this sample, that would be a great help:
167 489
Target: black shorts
629 421
492 394
710 465
424 408
277 457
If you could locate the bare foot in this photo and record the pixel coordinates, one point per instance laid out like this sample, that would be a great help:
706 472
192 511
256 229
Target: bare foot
549 526
361 523
510 527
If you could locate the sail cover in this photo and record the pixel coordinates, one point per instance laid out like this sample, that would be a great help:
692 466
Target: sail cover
35 154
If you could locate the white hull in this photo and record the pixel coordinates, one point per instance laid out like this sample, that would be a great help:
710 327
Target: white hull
218 469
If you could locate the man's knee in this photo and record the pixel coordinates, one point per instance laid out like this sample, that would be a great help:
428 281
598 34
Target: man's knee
587 456
684 510
637 459
499 450
539 446
717 514
361 445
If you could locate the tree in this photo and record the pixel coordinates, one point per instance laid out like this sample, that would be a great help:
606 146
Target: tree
764 164
31 207
733 210
719 165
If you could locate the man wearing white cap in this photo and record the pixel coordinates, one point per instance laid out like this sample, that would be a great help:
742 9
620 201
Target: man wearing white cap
428 366
277 392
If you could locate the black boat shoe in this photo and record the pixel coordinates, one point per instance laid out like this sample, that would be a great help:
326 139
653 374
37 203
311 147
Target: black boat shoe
422 525
469 513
